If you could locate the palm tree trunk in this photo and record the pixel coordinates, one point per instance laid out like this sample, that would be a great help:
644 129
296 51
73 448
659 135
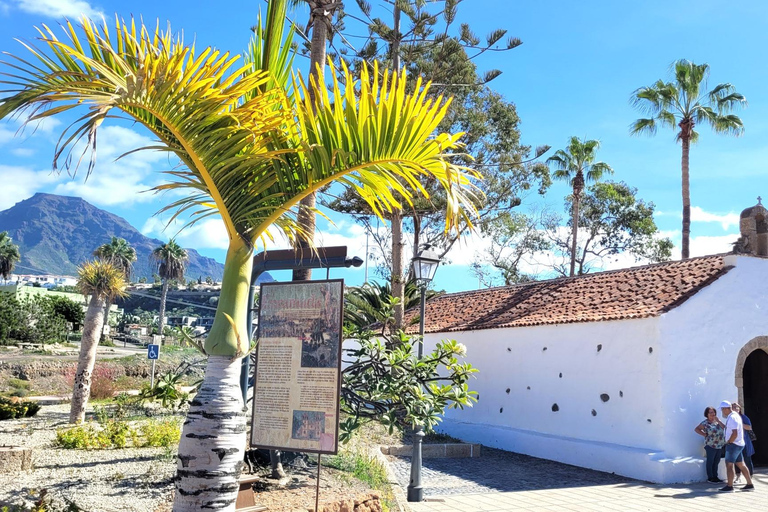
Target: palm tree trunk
213 438
317 57
163 296
578 187
90 341
398 288
212 442
686 198
107 305
574 232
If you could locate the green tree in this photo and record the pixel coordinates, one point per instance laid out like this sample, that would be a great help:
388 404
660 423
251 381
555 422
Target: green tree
613 221
9 255
99 280
120 253
576 164
424 38
68 309
171 261
682 104
221 121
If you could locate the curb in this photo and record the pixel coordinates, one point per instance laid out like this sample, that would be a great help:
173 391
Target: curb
397 492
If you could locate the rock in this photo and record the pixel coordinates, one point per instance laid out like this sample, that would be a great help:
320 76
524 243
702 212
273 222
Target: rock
15 458
368 503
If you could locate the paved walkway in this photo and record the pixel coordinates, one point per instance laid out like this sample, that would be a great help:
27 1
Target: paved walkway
502 481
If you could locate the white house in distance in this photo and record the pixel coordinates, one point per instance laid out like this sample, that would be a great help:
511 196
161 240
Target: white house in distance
613 370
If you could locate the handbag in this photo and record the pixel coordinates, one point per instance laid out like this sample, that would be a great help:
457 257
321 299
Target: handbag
752 435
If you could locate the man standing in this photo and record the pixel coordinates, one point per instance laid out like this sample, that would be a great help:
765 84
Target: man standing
734 445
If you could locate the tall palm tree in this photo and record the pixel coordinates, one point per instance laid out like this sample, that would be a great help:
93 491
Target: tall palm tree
248 156
101 280
576 164
120 253
9 255
171 261
683 104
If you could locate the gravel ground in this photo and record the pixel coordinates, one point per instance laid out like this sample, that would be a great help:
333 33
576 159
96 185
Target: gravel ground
135 479
131 479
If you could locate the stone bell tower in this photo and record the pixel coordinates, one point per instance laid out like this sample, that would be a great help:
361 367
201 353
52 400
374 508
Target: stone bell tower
754 231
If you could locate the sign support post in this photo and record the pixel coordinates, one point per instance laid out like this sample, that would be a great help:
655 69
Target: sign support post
153 353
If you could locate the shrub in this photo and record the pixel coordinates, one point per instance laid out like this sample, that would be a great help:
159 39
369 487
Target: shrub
102 381
118 434
11 408
161 433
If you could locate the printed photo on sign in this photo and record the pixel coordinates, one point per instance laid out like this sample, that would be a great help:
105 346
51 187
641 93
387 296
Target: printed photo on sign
311 315
308 425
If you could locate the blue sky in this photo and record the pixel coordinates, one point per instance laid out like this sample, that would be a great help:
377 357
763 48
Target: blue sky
573 75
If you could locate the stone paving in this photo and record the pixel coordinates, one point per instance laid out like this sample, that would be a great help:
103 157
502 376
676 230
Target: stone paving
502 481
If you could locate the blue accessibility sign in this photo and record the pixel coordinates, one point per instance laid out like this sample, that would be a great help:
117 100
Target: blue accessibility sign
153 351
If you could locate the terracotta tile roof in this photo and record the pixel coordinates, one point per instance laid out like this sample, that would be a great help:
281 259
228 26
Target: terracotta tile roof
637 292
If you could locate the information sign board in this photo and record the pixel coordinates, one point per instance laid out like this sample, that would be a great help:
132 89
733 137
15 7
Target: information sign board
153 351
298 367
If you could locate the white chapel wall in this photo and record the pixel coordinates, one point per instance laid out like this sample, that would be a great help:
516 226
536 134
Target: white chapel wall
700 342
608 398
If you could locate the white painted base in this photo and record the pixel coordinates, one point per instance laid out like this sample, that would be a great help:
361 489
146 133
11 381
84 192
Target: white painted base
643 464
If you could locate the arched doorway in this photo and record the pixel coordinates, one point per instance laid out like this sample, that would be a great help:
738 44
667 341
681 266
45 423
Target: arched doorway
755 375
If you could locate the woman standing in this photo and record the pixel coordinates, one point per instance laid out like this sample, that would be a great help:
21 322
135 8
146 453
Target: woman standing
749 448
713 432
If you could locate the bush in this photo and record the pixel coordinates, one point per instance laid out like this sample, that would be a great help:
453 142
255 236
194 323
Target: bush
103 380
119 434
11 408
161 433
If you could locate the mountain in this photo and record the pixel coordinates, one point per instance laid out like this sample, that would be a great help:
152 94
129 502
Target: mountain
57 233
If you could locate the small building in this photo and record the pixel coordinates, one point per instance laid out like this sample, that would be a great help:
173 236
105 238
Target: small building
612 371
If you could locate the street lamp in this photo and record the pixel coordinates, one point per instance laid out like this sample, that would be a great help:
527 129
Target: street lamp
424 268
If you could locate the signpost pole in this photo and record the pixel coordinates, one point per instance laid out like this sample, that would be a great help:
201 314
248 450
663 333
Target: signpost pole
152 378
317 490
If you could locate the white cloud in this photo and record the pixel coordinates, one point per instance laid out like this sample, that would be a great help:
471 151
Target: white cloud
59 8
20 183
698 214
206 234
727 220
23 152
123 181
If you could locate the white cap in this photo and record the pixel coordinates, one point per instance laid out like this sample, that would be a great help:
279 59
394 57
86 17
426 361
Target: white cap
725 404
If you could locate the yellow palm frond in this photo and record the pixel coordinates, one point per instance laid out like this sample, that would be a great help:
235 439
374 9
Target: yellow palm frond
101 278
194 103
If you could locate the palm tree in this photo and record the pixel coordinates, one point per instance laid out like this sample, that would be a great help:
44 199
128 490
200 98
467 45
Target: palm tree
249 156
683 104
373 303
9 255
576 164
171 261
102 280
120 253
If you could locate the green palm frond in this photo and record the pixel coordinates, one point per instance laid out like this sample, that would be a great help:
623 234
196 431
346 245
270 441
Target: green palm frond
171 260
671 103
9 254
577 161
118 252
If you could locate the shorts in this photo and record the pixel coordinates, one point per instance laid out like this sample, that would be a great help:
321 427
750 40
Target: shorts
733 453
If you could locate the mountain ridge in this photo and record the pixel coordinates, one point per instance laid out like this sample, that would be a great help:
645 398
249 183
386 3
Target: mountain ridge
57 233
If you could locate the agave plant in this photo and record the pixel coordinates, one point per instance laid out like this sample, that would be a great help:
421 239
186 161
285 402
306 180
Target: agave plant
248 155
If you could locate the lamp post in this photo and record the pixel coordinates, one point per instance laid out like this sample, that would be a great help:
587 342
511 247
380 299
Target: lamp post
424 268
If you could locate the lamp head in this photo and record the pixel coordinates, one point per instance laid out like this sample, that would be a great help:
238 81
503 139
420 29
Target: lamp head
425 265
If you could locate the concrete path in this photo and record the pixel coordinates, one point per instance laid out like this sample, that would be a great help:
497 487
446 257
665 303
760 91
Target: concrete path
504 482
